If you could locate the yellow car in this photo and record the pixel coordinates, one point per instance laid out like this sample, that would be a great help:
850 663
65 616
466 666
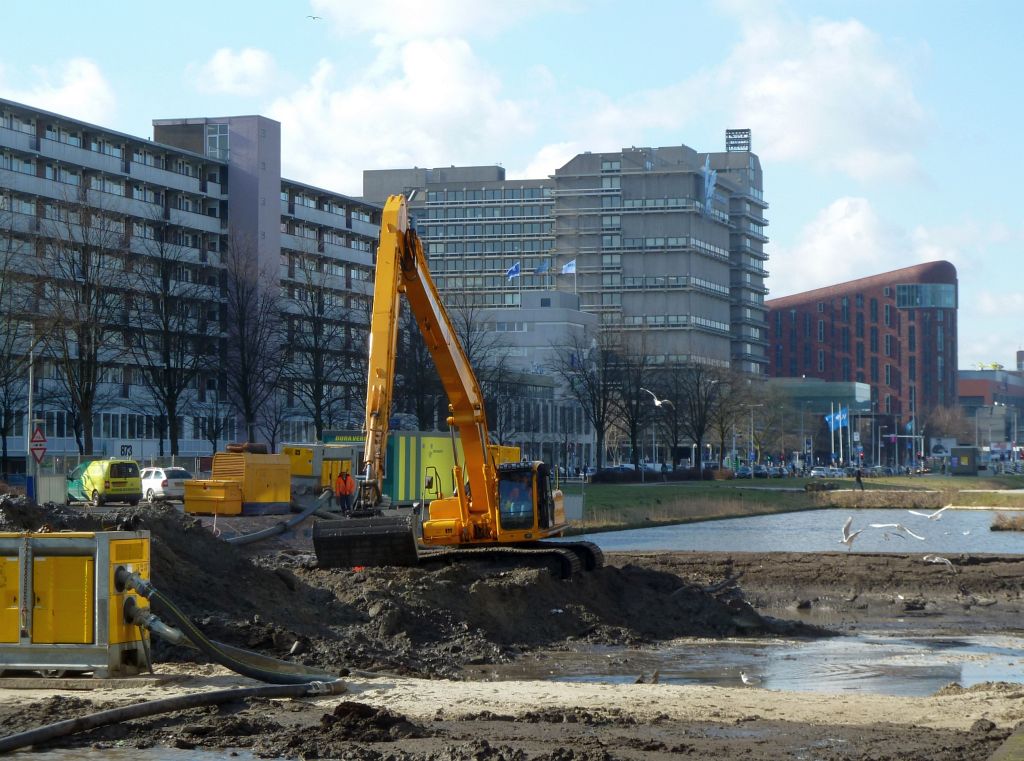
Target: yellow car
102 481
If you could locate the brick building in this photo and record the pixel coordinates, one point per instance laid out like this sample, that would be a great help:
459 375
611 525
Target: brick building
895 331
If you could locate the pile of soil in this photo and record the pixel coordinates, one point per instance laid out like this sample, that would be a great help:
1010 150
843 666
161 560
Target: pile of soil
425 621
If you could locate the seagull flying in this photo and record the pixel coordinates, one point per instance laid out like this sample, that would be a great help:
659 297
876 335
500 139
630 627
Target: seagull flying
316 18
898 527
930 516
658 402
848 537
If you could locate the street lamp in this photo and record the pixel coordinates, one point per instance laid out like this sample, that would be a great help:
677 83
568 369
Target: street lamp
752 431
878 457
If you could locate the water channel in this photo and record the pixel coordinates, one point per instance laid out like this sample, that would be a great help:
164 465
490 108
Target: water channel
956 531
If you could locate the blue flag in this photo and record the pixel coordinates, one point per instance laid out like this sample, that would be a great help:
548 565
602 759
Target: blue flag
838 419
543 267
513 271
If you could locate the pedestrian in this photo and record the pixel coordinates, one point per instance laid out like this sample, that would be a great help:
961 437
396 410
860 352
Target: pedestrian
344 487
857 477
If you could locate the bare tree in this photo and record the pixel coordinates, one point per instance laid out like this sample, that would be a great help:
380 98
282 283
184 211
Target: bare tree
591 372
321 361
15 334
82 303
726 415
635 406
698 396
176 320
949 422
417 386
254 340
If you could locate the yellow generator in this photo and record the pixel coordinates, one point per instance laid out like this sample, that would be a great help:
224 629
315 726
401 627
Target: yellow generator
60 609
242 483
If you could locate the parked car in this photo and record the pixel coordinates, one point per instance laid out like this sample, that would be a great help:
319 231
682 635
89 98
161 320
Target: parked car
777 471
164 483
103 481
760 471
744 471
818 472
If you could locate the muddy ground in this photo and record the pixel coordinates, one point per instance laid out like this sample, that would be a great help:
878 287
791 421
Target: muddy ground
433 621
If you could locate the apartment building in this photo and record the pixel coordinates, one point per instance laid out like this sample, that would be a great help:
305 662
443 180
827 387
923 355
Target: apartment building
142 220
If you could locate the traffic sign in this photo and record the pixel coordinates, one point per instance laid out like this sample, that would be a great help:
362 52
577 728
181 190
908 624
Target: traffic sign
37 445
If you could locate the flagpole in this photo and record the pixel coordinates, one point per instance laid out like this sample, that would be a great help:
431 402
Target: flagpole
832 432
840 433
520 279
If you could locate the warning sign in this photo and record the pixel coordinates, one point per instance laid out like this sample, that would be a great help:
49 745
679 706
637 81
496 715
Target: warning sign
37 444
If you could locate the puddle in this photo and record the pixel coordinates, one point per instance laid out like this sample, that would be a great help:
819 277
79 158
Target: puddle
875 664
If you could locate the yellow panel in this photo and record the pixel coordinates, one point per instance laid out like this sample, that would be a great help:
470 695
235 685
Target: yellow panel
64 600
9 599
133 554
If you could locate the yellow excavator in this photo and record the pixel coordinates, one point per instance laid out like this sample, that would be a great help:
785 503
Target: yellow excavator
497 511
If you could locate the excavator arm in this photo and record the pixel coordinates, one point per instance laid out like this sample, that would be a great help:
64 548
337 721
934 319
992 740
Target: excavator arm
402 268
512 504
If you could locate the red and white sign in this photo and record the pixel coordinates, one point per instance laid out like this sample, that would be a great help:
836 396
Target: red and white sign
37 444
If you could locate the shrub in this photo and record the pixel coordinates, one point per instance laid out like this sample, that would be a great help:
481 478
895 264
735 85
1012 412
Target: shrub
1003 522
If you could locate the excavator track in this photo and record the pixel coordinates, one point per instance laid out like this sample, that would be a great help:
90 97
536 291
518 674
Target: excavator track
590 555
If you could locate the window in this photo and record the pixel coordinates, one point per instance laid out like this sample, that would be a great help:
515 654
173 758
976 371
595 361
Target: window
611 183
217 140
821 360
912 369
888 314
874 340
888 345
911 338
821 330
859 325
874 310
888 375
821 307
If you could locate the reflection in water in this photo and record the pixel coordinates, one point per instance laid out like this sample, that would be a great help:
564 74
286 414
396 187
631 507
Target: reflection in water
872 664
820 531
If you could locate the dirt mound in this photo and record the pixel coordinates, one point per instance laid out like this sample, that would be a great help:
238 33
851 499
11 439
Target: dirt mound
418 621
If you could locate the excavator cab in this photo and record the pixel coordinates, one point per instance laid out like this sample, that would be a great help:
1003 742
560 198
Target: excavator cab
526 501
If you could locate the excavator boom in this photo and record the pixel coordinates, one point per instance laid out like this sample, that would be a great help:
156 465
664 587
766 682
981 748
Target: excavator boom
513 505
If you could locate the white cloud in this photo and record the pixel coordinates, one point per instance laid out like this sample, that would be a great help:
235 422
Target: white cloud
246 72
399 20
827 92
75 87
440 105
846 240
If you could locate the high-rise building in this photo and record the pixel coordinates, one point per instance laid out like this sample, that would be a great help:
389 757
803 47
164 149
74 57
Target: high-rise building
896 331
665 242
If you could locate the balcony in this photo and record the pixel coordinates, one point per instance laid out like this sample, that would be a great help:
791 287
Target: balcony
194 220
319 216
29 184
18 140
166 178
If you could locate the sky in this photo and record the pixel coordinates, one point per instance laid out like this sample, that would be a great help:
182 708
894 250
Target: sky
886 131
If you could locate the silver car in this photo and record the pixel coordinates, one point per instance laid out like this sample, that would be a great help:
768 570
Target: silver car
164 483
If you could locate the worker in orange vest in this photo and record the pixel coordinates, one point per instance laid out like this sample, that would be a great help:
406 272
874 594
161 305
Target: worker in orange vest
344 488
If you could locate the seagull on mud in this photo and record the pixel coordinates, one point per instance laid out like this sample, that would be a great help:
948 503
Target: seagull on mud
940 559
898 527
749 679
849 536
931 516
658 402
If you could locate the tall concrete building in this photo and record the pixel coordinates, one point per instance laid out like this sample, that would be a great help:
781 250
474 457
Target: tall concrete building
666 243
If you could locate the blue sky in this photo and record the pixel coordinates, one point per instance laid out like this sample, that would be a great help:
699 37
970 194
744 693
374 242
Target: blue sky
887 131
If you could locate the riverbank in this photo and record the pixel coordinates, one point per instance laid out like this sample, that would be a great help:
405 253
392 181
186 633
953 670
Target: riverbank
614 507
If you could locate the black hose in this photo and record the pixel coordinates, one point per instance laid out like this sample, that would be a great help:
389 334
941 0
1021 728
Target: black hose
164 705
252 665
281 526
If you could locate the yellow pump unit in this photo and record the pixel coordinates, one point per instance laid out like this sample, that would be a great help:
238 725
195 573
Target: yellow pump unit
60 608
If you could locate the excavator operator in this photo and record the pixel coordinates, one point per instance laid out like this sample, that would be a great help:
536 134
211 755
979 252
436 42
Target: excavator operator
516 504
